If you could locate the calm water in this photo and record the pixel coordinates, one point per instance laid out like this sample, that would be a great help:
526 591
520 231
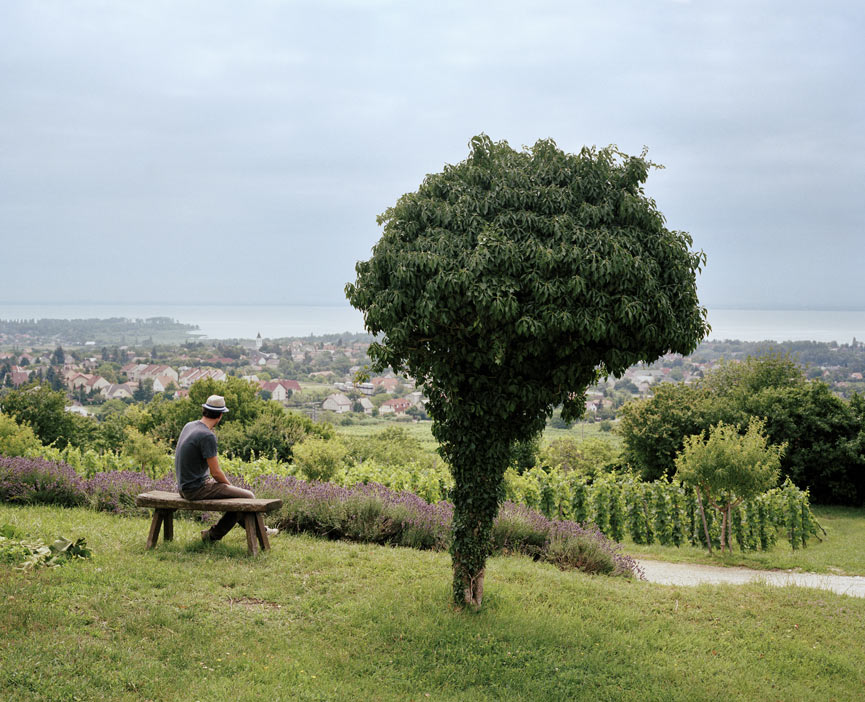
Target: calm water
214 321
788 325
274 321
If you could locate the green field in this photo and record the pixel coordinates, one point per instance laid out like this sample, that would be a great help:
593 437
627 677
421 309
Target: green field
423 431
319 620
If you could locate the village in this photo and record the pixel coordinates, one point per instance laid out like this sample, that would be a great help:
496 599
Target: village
126 374
324 375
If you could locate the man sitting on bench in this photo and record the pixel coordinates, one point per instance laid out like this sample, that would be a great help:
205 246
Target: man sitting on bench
199 476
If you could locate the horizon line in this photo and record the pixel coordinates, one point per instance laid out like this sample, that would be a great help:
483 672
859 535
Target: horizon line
726 306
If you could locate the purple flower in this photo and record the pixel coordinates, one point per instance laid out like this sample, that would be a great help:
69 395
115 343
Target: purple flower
367 512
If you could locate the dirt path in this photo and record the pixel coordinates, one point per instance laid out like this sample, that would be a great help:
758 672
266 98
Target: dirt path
694 574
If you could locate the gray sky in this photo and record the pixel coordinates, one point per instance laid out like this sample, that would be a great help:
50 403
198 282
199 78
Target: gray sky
218 151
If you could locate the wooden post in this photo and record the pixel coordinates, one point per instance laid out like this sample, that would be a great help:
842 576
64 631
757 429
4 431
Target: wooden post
153 536
251 538
261 532
168 524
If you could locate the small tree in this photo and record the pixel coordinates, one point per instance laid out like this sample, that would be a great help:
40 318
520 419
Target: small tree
149 457
727 468
319 459
43 409
505 286
144 391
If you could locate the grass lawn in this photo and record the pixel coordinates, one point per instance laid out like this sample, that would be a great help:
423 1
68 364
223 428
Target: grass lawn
842 550
318 620
423 431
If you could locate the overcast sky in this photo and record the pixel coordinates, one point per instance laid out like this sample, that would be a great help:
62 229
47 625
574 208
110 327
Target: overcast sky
186 152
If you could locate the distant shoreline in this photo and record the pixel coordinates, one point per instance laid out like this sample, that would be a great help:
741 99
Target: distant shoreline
272 321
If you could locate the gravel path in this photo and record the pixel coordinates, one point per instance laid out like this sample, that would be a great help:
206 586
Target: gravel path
694 574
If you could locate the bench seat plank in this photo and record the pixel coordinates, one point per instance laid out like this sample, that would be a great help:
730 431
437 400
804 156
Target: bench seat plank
160 499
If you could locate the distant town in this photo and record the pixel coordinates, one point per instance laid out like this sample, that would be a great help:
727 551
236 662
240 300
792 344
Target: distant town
323 376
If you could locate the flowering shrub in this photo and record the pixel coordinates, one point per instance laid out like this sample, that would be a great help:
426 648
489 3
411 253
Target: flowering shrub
116 491
37 481
370 512
373 513
365 512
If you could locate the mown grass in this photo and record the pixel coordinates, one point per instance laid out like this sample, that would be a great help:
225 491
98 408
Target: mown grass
841 551
319 620
422 431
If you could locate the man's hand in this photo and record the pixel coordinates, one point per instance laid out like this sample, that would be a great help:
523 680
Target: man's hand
216 471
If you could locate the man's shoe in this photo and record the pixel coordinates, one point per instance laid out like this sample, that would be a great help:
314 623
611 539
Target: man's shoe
271 531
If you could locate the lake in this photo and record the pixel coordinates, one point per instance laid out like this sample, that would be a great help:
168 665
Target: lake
275 321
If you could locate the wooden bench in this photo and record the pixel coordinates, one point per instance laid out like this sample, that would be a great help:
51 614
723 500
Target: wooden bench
165 504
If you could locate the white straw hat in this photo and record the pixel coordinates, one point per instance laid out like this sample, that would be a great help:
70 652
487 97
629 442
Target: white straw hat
215 403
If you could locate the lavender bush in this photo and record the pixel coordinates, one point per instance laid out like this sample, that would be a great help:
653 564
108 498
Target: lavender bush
37 481
373 513
115 491
369 513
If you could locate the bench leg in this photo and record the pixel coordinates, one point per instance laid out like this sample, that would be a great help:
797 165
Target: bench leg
168 525
251 538
153 535
261 532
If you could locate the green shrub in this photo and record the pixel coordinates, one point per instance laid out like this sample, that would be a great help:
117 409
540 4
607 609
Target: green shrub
17 439
319 459
578 552
513 533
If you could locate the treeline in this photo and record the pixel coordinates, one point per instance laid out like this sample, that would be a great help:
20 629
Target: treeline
148 432
823 435
850 356
76 332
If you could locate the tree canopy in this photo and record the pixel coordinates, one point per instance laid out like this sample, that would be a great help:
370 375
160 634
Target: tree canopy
505 285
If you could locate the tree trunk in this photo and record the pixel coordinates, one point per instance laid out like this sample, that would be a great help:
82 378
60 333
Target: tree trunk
478 453
729 527
471 545
723 529
476 497
472 588
703 517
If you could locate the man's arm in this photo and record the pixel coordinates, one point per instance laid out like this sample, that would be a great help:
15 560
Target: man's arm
216 471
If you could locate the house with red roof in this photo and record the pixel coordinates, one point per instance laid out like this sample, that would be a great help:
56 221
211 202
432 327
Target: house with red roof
398 406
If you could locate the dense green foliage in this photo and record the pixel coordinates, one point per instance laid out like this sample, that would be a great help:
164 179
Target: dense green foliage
43 409
504 285
823 433
590 457
17 439
727 468
662 512
146 433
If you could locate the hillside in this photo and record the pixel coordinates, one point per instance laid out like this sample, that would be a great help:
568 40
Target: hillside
318 620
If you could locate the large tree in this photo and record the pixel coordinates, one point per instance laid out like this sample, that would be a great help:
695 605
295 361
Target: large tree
505 286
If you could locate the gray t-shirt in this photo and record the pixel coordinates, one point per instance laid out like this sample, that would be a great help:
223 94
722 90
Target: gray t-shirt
196 444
